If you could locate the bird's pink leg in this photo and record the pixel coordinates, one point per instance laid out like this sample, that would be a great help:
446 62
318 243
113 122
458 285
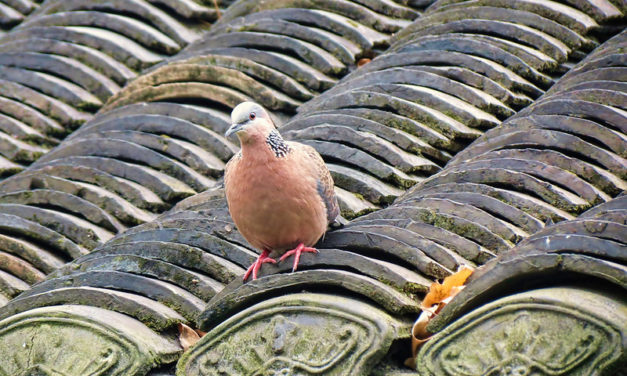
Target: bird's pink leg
297 251
262 259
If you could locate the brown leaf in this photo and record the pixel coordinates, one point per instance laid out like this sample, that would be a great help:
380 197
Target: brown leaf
438 296
449 288
215 4
200 333
419 335
362 62
187 336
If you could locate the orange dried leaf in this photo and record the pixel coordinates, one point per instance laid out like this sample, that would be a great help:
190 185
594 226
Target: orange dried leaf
200 333
419 335
215 4
436 294
449 288
439 295
187 336
459 278
363 62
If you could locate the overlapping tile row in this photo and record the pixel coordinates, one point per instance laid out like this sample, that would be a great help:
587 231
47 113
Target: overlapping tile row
467 214
68 58
593 245
147 280
574 272
553 160
459 70
160 139
57 211
278 53
479 207
12 12
163 272
159 274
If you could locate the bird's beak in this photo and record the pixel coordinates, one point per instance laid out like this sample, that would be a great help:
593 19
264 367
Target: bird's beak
234 128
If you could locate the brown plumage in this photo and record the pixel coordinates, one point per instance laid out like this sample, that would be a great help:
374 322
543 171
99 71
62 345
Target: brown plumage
280 193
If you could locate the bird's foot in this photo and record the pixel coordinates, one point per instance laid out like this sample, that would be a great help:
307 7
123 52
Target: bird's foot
254 268
297 251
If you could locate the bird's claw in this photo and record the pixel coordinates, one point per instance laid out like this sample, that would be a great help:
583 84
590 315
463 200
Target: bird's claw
297 252
254 268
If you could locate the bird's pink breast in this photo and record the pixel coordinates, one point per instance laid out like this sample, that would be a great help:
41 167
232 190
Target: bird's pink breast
274 202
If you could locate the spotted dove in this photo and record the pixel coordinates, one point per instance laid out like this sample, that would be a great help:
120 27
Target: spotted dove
280 193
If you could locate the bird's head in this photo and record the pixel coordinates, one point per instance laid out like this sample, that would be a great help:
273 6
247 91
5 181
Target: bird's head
250 122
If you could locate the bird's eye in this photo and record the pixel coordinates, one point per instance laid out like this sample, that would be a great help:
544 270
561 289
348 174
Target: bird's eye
252 116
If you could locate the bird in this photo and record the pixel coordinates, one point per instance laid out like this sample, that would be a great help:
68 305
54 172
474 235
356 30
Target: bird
280 194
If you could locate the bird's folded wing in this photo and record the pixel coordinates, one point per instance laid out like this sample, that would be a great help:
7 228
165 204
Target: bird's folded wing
324 181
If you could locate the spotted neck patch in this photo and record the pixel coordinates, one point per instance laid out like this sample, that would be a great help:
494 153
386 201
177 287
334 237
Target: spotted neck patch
277 144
